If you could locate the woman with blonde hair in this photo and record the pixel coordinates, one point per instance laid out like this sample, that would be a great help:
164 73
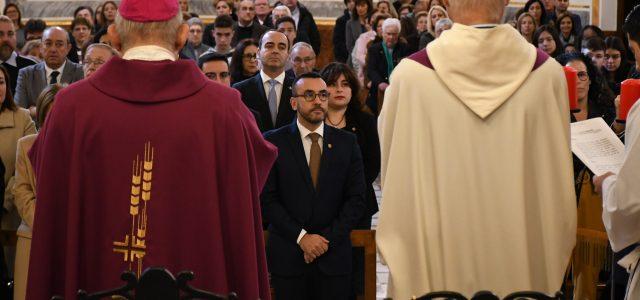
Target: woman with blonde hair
436 13
24 191
526 25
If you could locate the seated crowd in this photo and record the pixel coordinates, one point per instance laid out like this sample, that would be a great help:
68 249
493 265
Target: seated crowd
259 47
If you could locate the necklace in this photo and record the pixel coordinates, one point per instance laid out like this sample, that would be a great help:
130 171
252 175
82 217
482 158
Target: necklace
335 124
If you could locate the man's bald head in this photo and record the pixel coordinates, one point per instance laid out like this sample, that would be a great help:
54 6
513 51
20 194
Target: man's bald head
470 12
55 30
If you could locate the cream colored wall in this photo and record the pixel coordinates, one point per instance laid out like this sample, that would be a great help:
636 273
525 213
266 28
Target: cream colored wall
608 15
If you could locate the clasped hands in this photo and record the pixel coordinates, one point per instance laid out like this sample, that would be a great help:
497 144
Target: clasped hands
313 246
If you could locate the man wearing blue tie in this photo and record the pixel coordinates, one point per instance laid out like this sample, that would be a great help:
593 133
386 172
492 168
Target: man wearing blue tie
269 91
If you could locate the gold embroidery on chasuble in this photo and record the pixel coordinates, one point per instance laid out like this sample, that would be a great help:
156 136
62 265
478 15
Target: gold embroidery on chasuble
133 247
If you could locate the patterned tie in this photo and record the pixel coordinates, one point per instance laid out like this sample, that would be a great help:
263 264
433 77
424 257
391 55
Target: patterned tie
273 101
314 158
54 77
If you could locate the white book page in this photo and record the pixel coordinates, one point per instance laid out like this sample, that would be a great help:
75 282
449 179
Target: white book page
597 146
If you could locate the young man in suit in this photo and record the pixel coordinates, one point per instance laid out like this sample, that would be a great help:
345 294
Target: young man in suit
312 199
55 68
11 60
269 91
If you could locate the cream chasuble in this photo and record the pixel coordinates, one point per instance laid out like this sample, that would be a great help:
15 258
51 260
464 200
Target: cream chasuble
477 180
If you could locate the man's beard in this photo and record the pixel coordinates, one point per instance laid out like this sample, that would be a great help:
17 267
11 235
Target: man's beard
307 116
5 51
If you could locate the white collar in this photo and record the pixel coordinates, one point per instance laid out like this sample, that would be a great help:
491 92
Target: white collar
265 77
488 25
12 60
304 132
50 70
242 26
149 53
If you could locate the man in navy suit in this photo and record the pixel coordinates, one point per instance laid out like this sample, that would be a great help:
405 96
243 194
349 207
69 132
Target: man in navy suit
312 199
268 92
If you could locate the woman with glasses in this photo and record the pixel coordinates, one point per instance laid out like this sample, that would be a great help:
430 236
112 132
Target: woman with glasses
616 67
244 62
595 100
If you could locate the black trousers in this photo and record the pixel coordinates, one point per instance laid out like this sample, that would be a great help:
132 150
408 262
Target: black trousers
312 285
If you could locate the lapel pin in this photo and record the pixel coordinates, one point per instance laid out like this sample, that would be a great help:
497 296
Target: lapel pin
353 129
329 146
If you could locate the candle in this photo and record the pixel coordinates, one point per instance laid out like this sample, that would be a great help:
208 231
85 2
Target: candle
572 79
629 94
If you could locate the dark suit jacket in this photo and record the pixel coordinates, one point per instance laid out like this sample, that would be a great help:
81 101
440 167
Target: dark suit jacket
364 126
21 62
268 21
191 52
340 52
377 64
290 203
308 30
255 97
207 35
257 31
32 80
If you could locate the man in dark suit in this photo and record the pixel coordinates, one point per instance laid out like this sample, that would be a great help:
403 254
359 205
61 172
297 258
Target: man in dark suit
313 197
263 13
305 24
11 60
339 33
269 91
247 27
55 68
383 57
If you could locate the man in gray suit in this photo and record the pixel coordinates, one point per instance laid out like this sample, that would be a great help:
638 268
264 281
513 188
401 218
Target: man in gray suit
54 69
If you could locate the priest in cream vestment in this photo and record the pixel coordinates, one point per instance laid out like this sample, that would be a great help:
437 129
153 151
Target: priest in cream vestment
477 180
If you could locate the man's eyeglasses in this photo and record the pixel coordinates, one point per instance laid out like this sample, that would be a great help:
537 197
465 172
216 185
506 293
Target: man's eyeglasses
214 76
306 60
250 56
583 76
310 96
95 62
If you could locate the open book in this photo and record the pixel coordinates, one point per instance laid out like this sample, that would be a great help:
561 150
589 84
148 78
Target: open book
597 146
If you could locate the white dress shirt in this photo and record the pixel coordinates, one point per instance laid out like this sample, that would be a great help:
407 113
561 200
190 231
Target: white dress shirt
306 144
267 86
149 53
12 60
48 72
295 14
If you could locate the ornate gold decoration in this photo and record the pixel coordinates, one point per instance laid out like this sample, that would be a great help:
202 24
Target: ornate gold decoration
133 248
